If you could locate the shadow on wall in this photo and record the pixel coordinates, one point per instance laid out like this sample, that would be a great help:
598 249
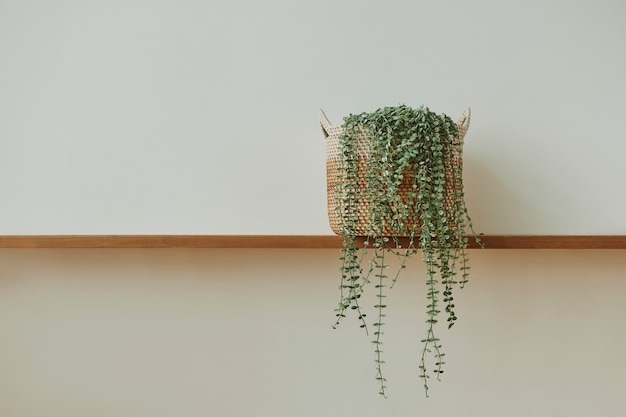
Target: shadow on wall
495 204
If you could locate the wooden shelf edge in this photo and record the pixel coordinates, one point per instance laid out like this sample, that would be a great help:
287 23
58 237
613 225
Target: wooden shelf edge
289 241
170 241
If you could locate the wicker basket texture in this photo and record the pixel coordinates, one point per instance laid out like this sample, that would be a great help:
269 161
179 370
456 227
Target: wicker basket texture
333 165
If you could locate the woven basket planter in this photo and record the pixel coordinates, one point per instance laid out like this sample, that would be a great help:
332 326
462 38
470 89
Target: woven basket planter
334 163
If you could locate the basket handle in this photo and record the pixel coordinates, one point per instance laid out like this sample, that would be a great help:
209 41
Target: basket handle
464 122
325 124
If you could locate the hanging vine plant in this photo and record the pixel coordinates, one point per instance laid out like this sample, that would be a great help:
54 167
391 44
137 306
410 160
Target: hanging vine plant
397 172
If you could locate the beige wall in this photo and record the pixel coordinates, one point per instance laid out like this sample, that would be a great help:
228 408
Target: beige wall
247 333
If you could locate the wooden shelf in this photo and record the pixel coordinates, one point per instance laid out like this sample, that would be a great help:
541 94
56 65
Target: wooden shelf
289 241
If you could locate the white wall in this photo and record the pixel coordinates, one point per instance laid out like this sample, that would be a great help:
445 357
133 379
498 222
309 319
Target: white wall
123 117
201 117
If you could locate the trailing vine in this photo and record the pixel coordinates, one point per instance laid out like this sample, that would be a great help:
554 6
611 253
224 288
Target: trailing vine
401 176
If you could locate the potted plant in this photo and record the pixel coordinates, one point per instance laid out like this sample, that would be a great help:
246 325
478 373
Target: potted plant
395 186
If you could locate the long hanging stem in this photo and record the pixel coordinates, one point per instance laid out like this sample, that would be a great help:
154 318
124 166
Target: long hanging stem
346 194
379 255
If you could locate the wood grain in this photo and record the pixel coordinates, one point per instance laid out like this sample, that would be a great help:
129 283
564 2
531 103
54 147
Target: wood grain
290 241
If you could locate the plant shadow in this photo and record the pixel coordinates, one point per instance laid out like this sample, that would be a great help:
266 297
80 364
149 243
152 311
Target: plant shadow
493 203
